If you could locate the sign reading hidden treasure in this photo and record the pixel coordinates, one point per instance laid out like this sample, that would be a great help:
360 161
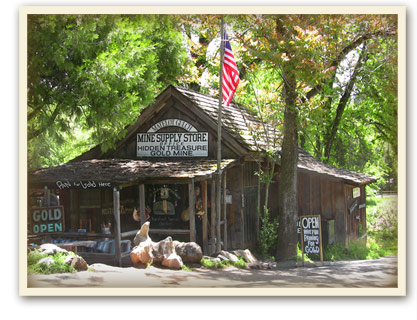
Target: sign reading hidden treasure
172 144
311 236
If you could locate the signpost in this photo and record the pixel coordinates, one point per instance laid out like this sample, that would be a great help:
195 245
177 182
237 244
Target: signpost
311 242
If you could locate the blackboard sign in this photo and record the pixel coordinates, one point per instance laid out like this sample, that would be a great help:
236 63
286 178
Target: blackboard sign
311 236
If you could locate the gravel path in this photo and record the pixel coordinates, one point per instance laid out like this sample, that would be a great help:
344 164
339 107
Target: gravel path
380 273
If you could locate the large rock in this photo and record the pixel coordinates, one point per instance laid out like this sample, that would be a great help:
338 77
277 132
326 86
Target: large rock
46 261
51 249
142 254
246 255
229 256
148 252
142 235
77 262
188 251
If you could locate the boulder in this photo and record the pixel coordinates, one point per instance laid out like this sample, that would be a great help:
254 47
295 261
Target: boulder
142 254
148 252
221 257
46 261
173 261
212 259
142 235
229 256
77 262
246 255
189 251
51 249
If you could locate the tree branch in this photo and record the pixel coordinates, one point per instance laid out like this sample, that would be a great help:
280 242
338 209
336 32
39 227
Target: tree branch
51 120
331 132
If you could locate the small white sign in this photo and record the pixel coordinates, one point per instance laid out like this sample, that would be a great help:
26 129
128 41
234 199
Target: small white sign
356 192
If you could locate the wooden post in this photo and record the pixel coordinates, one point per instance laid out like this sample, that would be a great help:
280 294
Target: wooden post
117 239
219 212
213 216
242 207
321 244
224 211
191 208
47 196
204 198
142 205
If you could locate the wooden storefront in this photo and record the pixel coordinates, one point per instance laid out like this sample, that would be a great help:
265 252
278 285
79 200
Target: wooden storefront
164 171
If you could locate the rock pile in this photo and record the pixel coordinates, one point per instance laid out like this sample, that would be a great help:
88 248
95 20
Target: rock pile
168 253
50 249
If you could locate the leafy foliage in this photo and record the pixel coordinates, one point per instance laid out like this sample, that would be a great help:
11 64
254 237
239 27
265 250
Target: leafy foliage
241 264
59 265
382 234
92 74
267 234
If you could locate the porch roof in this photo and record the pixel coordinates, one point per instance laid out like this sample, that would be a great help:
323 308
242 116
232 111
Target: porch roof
124 171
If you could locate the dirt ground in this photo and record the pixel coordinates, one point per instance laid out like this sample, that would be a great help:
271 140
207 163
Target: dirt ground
380 273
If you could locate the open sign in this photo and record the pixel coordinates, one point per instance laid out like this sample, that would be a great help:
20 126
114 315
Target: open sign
311 235
47 220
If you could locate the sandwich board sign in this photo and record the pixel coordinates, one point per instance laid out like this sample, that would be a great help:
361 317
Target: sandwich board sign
311 242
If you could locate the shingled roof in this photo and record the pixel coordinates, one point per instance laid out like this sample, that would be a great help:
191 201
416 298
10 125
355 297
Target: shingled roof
123 171
238 121
307 162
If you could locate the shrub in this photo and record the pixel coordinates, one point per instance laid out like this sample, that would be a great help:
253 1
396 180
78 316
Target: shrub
268 234
59 265
241 264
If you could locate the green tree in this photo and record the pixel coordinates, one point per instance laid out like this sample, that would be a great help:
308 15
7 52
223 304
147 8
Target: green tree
308 51
94 73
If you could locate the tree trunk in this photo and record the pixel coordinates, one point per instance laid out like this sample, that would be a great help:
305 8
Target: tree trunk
331 133
288 209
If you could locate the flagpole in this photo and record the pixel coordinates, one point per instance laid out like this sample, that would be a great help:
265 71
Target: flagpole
219 139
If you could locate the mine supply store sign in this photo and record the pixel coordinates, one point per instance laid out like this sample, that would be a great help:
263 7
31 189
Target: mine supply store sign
172 144
44 220
311 236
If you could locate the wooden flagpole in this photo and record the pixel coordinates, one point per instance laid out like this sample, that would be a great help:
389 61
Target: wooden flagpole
219 140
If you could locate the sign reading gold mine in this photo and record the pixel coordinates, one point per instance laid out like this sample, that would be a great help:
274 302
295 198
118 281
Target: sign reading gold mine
172 144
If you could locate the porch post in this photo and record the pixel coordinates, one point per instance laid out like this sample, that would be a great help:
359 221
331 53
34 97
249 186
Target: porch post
219 212
142 206
242 207
213 216
117 239
224 211
204 197
191 208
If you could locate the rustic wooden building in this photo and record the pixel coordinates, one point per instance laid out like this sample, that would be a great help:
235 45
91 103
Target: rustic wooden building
164 171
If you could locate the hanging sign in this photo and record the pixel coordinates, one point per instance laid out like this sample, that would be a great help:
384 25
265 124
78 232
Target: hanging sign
47 220
356 192
311 236
172 144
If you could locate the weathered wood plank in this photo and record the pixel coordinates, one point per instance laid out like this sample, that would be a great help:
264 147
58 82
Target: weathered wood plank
116 212
142 205
191 206
224 211
205 231
218 214
213 215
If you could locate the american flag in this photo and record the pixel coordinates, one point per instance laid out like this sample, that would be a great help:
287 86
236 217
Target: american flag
230 73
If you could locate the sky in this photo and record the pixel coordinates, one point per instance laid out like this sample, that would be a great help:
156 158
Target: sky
238 308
